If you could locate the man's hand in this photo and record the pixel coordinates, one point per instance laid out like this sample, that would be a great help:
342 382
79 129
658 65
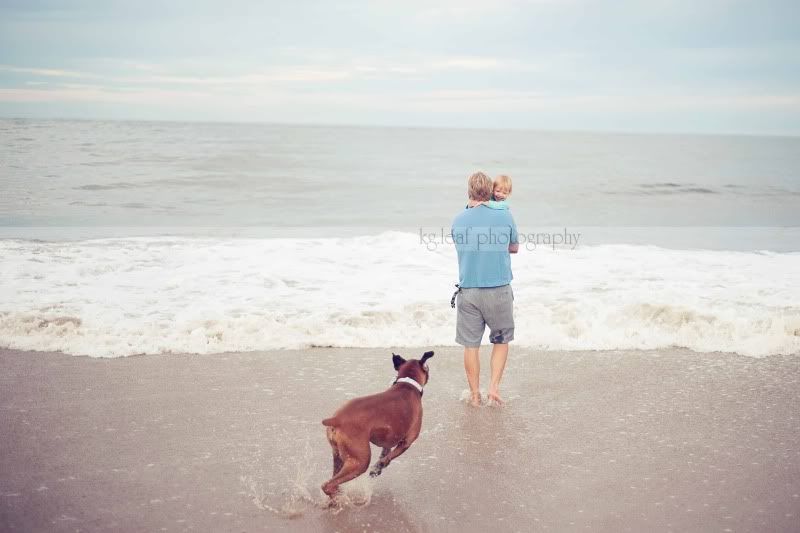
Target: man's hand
513 248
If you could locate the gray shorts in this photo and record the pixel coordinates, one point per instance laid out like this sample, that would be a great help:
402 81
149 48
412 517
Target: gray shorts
478 308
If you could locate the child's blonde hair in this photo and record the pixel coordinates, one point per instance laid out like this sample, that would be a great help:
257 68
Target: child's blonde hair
502 179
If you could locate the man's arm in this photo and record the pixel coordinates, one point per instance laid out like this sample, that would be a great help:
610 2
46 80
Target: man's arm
513 243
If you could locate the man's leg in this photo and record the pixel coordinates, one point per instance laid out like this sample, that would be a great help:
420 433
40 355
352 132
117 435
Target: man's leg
500 319
498 364
472 366
470 327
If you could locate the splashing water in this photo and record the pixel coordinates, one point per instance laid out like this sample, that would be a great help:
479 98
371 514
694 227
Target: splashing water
297 497
302 490
466 396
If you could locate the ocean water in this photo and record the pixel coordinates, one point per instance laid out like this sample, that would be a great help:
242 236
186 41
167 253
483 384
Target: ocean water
121 238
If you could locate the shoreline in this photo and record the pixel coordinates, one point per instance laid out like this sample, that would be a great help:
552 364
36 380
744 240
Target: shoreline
614 440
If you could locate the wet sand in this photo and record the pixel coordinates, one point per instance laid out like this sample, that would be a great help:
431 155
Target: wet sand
601 441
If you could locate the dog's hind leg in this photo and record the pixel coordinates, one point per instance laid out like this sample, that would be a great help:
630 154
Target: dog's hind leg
356 462
378 466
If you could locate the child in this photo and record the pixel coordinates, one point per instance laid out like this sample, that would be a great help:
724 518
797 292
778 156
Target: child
500 193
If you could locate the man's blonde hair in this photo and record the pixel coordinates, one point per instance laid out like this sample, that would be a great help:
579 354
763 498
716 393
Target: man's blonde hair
479 187
502 179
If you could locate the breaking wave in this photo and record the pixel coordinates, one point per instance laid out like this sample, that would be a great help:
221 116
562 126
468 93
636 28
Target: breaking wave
119 297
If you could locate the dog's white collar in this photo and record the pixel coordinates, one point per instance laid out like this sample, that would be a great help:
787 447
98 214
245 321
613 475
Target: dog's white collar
410 381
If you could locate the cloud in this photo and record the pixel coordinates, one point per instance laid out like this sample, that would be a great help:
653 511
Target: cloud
100 94
352 68
46 72
449 11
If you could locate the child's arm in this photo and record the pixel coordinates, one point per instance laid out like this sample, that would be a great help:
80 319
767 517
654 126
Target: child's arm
493 204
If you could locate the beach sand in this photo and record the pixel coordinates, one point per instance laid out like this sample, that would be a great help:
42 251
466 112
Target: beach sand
603 441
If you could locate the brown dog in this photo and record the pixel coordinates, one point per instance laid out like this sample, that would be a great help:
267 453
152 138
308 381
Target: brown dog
391 420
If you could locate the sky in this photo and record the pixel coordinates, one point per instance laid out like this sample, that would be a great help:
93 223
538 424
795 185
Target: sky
710 66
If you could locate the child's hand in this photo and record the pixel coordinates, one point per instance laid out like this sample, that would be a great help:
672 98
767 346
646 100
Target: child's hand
474 203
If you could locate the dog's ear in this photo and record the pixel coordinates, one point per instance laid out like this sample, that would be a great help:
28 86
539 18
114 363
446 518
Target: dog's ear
397 360
425 357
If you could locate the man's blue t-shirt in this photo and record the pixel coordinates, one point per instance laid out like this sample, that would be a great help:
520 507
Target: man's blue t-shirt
481 236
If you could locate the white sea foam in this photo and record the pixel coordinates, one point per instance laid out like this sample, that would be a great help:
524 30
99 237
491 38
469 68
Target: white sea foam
118 297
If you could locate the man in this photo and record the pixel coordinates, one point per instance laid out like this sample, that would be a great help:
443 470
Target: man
484 238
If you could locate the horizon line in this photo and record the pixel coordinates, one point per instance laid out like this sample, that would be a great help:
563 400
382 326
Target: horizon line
405 126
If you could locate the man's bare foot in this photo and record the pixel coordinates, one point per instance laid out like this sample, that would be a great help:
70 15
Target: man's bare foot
475 399
495 399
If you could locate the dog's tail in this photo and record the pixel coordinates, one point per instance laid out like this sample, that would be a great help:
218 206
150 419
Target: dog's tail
329 421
